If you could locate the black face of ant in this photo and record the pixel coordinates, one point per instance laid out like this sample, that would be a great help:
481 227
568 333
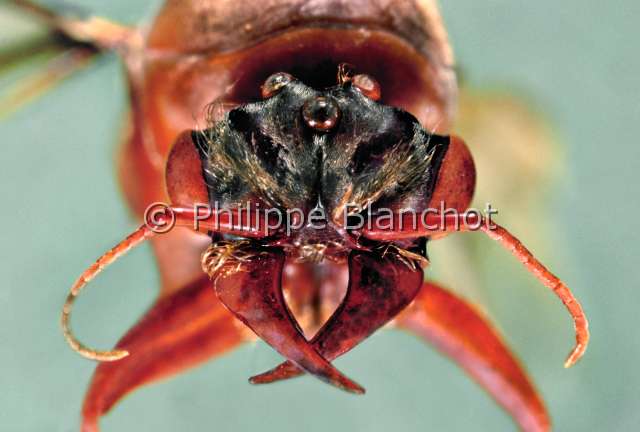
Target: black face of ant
336 150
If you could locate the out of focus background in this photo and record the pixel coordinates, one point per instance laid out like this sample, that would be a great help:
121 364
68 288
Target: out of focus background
567 72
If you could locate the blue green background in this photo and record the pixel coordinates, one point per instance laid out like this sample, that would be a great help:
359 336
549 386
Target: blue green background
577 60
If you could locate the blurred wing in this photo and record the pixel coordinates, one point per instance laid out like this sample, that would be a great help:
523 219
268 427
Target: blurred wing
517 159
39 48
513 145
34 58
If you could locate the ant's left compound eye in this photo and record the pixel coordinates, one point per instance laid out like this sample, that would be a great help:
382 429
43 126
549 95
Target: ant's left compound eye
275 83
321 113
367 86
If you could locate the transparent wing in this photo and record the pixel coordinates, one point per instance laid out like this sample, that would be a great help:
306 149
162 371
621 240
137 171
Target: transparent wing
39 48
518 158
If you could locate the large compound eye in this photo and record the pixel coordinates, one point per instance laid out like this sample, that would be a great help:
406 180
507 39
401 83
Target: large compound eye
367 86
275 83
456 180
321 113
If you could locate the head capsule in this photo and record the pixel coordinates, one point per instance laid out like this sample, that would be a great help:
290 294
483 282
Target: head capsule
336 149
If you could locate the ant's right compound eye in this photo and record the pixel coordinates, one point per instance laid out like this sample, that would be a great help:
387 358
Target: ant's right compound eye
275 83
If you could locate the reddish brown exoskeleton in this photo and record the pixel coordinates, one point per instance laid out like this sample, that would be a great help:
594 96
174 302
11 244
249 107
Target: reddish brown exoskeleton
288 136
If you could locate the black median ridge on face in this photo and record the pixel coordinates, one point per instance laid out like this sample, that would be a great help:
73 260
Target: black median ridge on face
300 147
